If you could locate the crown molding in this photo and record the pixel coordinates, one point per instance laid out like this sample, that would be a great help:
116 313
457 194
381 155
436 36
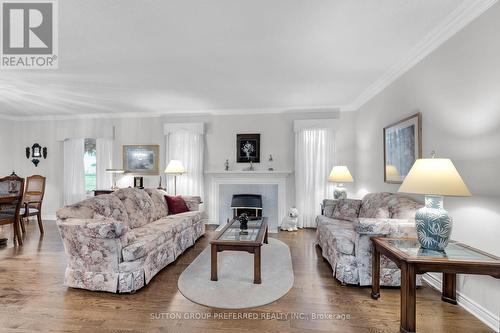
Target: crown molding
453 23
302 110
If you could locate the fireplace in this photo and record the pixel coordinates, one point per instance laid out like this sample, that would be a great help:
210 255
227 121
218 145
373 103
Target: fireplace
251 204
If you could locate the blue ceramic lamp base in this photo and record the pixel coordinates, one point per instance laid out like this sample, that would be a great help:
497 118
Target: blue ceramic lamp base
433 224
339 192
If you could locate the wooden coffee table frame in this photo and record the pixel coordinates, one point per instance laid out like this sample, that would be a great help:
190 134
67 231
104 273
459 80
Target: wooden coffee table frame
219 245
412 265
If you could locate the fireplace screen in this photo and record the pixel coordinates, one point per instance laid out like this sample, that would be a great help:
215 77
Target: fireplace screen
251 204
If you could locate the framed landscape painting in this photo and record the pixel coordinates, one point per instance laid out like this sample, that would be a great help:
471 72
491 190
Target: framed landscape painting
402 147
141 159
248 148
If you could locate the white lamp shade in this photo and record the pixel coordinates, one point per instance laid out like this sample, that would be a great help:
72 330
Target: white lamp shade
175 167
340 174
434 176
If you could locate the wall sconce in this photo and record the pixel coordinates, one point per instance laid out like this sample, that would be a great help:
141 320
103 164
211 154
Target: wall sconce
36 152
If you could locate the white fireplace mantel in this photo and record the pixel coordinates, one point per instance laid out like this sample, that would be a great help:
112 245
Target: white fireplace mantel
258 177
249 173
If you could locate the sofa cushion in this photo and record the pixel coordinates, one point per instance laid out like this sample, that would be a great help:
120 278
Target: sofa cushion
146 240
402 207
374 205
165 225
101 206
192 201
347 209
176 204
185 220
138 205
160 208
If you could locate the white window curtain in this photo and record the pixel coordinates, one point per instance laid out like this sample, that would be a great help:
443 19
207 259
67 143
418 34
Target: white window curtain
314 149
104 160
74 171
186 144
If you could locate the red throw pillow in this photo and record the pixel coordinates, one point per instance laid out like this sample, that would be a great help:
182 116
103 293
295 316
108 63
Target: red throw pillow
176 205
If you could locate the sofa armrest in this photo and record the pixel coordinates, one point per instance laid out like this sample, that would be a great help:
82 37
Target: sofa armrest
104 228
193 202
385 227
94 245
328 206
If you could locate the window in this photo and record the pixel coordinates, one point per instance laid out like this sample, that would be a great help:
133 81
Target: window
90 165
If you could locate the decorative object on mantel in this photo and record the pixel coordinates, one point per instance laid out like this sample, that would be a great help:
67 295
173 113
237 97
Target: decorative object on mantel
270 163
435 178
115 172
36 152
248 148
226 165
250 167
402 146
290 221
340 174
142 159
175 168
139 182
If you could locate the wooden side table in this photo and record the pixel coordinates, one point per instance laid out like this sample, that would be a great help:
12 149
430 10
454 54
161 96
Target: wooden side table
412 260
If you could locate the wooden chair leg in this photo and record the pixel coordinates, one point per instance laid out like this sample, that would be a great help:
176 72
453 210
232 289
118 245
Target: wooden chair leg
17 233
40 225
21 222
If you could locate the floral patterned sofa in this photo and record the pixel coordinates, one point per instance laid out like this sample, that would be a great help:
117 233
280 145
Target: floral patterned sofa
345 241
117 242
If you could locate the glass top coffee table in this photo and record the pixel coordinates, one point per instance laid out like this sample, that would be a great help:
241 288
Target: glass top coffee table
406 253
231 239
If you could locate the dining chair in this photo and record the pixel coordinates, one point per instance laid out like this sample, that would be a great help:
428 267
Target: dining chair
11 198
33 199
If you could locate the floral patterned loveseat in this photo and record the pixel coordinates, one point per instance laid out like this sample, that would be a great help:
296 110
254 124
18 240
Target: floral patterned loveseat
117 242
346 244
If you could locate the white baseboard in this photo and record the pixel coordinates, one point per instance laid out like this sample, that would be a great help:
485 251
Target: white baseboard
487 317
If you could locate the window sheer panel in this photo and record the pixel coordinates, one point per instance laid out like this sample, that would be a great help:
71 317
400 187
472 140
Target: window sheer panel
314 150
187 147
74 171
104 152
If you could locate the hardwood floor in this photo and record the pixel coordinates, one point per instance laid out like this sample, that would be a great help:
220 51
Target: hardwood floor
33 298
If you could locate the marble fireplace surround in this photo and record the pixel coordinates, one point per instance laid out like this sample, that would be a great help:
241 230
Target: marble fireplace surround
216 179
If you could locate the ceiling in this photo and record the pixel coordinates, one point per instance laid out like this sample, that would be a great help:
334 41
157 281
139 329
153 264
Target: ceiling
228 56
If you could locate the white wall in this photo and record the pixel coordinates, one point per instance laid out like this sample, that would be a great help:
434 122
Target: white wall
277 138
7 146
457 89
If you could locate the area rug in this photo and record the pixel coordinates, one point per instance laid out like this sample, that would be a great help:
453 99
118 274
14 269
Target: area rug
235 288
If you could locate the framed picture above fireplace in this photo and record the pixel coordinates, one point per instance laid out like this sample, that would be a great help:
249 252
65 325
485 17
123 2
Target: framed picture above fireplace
248 148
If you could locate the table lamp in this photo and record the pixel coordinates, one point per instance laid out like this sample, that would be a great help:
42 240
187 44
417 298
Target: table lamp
175 168
435 178
340 174
114 172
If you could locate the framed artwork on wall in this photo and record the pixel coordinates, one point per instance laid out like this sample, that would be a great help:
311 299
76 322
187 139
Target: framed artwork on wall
141 159
248 148
402 147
